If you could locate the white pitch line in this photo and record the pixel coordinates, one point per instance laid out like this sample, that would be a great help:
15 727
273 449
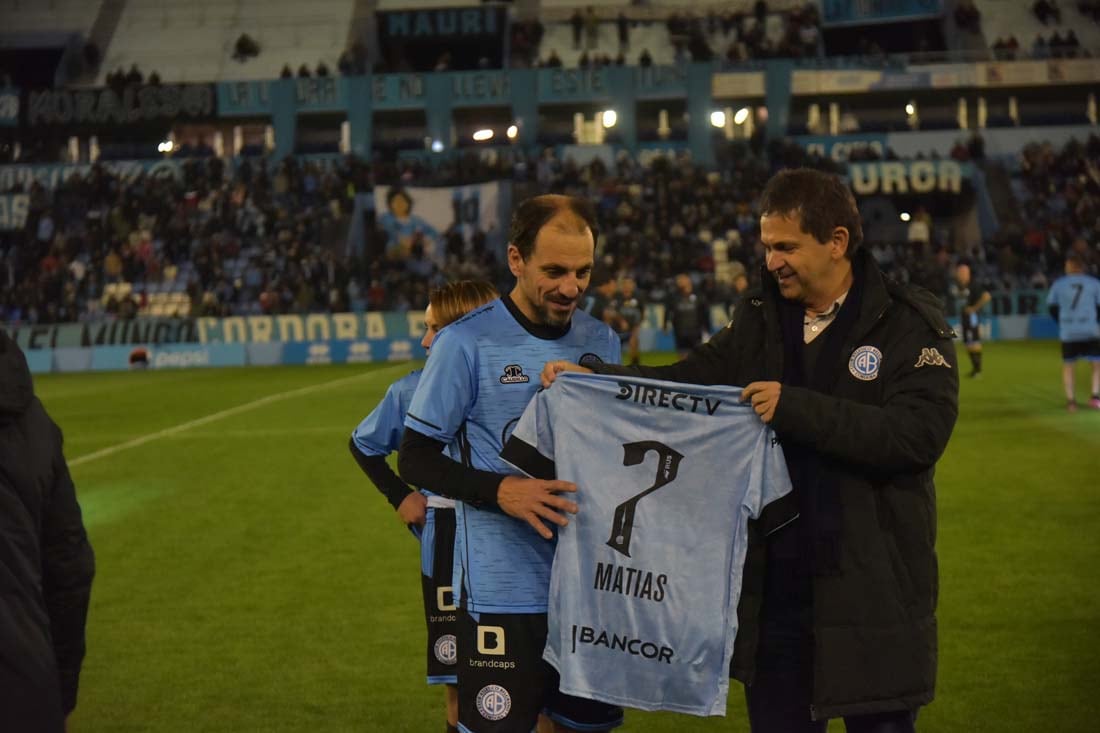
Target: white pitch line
111 450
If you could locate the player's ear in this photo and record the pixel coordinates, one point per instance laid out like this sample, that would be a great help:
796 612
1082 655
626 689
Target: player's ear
515 260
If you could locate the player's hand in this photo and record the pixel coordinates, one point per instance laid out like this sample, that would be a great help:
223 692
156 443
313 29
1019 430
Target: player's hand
413 509
535 499
764 397
552 369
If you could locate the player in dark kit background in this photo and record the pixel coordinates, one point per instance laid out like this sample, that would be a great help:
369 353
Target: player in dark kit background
973 297
628 305
688 316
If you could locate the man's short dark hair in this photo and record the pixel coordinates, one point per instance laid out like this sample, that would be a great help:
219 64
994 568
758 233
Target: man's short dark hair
533 214
1072 258
822 201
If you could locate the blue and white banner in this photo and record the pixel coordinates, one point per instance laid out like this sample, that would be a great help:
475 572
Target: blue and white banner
9 107
314 353
134 104
51 175
13 211
908 176
169 356
840 148
414 215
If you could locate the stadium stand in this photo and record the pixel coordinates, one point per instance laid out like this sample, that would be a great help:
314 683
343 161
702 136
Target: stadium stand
195 41
49 16
1003 19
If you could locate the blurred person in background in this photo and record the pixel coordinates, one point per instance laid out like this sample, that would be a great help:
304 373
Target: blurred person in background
687 315
1074 302
974 297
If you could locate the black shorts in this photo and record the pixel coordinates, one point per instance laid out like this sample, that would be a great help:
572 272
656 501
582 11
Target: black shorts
971 328
504 683
1074 350
437 549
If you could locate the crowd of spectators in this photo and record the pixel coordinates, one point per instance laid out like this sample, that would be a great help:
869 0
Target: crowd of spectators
250 241
1059 194
1057 46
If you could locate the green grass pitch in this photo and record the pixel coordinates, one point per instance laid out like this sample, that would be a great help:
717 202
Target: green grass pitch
251 579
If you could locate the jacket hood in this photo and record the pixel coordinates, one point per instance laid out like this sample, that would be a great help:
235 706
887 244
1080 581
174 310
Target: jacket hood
16 388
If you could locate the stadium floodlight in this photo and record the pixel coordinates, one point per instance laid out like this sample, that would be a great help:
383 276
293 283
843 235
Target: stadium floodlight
910 108
718 118
512 132
483 135
610 117
741 116
905 216
437 146
165 147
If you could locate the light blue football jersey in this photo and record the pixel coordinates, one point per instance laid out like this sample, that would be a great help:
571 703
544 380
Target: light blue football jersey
1077 297
647 576
483 371
379 433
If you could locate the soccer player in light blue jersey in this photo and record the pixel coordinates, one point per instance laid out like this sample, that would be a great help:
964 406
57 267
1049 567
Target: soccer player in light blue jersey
483 371
1074 301
431 517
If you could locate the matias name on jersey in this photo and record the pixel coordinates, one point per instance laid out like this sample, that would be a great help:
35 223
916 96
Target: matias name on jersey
630 582
644 394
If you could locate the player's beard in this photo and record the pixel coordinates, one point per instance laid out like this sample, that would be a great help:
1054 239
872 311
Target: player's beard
555 317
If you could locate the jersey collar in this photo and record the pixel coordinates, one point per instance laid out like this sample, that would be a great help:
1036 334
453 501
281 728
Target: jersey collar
538 330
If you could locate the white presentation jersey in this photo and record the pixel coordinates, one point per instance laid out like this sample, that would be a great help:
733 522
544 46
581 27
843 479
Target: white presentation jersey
647 576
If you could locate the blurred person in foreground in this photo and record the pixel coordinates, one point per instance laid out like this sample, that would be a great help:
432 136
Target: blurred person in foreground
431 517
1074 302
46 562
858 376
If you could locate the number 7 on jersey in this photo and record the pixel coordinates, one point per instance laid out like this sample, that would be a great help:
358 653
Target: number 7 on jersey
668 462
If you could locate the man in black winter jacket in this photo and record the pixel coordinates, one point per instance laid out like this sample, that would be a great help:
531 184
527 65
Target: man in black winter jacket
46 563
858 377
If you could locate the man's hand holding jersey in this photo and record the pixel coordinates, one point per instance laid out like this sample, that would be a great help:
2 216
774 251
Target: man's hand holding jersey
535 499
552 369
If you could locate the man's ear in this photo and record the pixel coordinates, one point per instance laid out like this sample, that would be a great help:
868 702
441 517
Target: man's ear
839 242
515 260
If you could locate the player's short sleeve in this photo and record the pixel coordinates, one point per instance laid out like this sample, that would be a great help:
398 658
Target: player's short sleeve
769 479
1052 295
531 445
379 434
447 389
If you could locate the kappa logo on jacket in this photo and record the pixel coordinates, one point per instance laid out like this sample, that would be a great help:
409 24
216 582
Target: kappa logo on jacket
931 357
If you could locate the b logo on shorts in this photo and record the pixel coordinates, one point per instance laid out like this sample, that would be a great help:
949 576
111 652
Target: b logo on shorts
865 363
494 702
490 640
446 651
